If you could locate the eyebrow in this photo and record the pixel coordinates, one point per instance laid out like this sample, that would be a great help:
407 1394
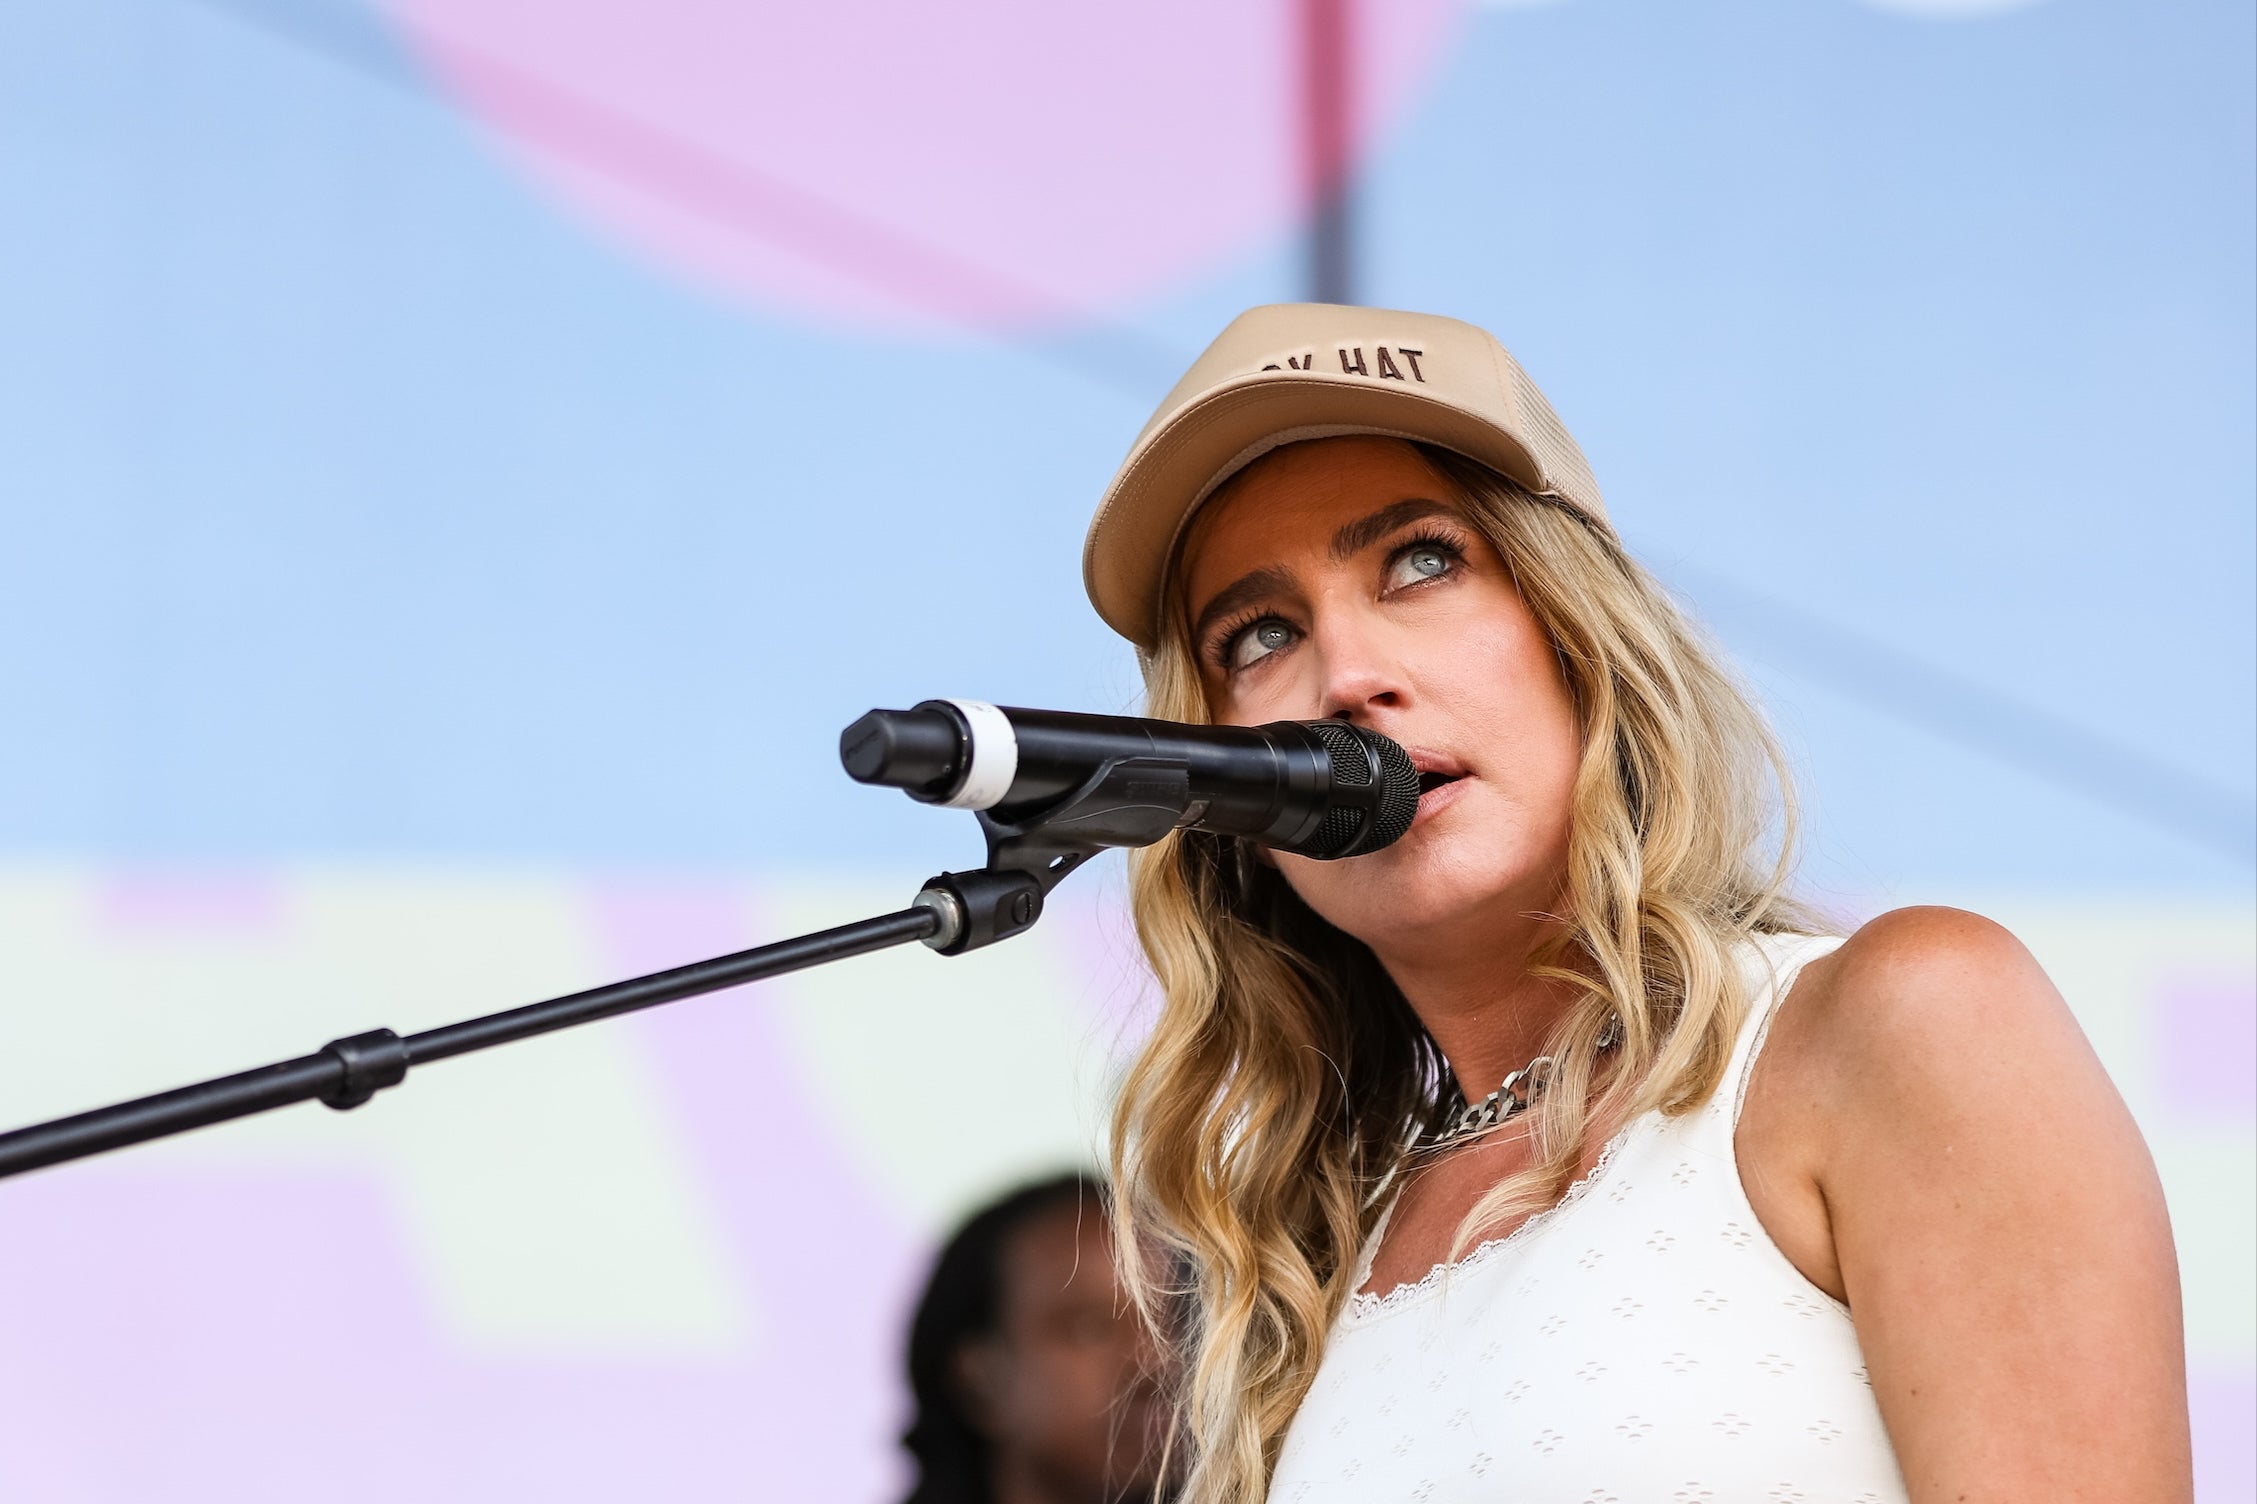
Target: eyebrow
1239 594
1354 537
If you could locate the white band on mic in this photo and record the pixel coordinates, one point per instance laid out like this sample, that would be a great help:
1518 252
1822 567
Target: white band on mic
994 757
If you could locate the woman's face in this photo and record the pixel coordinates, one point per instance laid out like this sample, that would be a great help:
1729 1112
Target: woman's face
1339 577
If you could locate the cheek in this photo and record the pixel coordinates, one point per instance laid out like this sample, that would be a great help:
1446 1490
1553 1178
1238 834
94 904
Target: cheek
1545 729
1071 1397
1280 691
1505 678
1504 701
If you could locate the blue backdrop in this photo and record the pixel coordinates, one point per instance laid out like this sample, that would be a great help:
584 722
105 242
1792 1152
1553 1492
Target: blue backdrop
462 470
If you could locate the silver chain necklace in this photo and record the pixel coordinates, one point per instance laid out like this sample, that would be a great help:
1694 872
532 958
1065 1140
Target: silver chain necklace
1520 1089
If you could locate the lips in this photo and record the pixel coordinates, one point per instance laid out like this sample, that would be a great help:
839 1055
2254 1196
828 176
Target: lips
1436 770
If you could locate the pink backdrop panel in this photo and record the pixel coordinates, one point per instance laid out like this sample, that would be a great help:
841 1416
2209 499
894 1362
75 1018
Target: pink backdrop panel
880 162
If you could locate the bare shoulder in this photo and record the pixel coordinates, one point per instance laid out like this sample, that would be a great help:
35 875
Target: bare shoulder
1928 1000
1910 943
1949 1158
1931 1038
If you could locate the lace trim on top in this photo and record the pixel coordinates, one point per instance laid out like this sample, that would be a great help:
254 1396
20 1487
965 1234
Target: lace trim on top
1363 1306
1783 974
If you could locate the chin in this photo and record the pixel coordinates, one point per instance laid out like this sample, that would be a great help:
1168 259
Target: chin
1424 917
1135 1457
1441 882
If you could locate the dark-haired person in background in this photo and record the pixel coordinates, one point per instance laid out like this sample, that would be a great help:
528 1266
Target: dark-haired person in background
1032 1377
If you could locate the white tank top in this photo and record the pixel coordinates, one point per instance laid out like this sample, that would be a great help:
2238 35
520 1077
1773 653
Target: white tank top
1642 1342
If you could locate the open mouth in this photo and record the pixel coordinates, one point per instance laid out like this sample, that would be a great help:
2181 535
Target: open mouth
1429 782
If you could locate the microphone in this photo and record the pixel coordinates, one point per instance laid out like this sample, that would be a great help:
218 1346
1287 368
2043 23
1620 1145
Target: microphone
1323 789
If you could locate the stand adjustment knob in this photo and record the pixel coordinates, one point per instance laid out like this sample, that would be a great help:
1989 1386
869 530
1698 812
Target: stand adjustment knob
372 1062
986 906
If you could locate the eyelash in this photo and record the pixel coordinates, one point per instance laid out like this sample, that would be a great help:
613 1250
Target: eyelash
1219 649
1442 543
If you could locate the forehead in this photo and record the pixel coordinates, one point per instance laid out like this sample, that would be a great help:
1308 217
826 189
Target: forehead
1293 500
1064 1253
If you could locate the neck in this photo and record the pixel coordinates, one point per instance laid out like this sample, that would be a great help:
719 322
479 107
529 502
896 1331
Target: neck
1018 1479
1488 1016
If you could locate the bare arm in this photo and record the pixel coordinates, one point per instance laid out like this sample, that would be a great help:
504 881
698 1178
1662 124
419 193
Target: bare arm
1938 1145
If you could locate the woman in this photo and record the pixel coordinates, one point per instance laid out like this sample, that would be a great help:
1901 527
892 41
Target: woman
1742 1211
1032 1382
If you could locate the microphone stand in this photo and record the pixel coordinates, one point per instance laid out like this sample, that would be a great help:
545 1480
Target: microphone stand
953 913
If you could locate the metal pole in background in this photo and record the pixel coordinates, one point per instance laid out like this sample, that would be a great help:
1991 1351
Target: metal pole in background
1327 126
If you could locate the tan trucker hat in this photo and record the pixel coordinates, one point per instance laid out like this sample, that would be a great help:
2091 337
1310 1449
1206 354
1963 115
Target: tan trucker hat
1292 371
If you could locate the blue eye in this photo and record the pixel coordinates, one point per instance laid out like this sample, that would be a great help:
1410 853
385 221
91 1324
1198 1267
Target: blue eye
1419 561
1254 643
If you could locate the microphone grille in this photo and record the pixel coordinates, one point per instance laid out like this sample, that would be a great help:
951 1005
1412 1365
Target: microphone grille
1338 832
1379 818
1398 799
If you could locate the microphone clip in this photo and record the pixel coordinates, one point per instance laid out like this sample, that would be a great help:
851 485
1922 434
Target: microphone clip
1128 801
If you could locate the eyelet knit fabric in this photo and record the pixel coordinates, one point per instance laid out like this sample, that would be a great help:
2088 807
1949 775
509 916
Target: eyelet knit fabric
1642 1342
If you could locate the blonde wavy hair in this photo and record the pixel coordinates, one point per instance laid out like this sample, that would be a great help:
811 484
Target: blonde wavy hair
1286 1073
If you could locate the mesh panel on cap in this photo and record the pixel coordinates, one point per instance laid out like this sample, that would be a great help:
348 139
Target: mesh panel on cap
1548 439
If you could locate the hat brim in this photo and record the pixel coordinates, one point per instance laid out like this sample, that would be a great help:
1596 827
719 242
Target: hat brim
1133 539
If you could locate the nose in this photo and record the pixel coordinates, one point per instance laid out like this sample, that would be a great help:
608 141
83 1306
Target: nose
1361 675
